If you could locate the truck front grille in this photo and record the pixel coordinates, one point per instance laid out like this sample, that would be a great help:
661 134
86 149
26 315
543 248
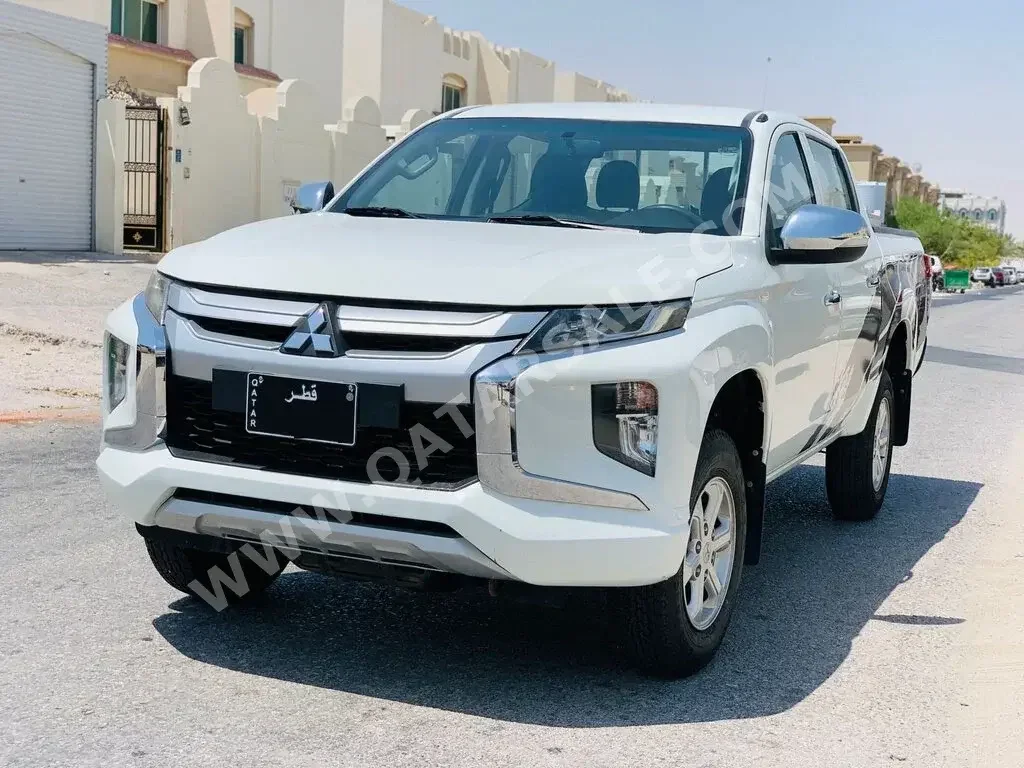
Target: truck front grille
195 430
361 342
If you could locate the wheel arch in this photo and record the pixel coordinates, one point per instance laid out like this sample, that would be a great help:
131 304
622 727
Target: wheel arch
898 364
731 376
740 409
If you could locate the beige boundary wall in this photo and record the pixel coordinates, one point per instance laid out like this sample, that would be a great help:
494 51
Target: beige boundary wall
233 159
215 185
111 150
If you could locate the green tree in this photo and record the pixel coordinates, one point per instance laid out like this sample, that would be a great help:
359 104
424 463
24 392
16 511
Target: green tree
954 240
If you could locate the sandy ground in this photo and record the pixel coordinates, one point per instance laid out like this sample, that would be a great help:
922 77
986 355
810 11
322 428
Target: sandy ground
52 308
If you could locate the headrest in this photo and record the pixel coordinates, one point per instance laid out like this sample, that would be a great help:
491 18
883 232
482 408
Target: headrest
557 184
618 185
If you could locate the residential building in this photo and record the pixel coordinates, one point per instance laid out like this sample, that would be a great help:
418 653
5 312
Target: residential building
406 60
295 39
885 172
981 209
345 49
825 123
572 86
96 11
152 43
862 157
869 165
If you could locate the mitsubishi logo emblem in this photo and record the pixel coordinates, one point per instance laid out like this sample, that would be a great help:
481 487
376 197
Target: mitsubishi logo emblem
316 335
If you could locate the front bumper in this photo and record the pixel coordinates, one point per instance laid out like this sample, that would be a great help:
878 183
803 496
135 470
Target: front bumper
543 543
548 509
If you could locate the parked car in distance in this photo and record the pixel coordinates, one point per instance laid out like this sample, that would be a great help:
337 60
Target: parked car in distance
1010 275
998 277
981 275
499 357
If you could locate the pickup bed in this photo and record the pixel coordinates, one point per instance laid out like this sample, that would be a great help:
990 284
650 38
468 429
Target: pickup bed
560 345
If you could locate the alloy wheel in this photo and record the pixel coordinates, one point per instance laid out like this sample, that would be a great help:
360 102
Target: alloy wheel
710 552
880 445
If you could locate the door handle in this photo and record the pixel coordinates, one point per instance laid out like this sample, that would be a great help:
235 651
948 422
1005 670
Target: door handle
833 297
874 279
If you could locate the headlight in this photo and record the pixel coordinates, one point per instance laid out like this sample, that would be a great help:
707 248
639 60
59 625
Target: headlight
569 328
116 370
626 423
156 295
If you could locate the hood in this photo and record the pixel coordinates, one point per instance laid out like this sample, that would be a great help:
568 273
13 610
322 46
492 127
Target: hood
457 262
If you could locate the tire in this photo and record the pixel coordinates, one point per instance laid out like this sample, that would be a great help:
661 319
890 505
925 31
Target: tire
182 567
663 639
855 491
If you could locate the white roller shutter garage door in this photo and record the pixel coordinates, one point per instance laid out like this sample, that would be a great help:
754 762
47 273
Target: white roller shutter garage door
46 146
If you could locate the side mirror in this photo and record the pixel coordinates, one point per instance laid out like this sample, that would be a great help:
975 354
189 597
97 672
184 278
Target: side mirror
313 197
822 234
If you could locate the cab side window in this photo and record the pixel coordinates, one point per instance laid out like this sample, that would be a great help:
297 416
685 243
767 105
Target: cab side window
831 174
790 186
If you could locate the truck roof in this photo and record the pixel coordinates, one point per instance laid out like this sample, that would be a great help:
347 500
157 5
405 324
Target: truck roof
631 111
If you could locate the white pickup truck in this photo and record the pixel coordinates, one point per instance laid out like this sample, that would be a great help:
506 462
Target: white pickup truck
557 345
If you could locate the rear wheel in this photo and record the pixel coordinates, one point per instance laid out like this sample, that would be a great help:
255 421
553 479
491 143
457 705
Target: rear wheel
676 626
857 467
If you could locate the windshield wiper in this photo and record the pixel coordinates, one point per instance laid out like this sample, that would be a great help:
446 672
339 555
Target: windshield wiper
543 220
380 212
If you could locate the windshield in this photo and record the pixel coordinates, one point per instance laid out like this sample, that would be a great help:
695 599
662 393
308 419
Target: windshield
653 177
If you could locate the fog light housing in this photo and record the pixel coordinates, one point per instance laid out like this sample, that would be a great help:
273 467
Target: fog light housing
115 372
625 417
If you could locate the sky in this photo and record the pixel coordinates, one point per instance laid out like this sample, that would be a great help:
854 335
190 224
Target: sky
938 83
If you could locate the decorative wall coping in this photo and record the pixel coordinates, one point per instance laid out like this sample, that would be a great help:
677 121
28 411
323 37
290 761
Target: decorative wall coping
262 74
164 51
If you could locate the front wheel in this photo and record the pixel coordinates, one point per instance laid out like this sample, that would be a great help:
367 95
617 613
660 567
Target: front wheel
676 626
857 467
219 579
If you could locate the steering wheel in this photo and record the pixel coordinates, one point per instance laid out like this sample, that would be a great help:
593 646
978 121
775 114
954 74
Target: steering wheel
693 219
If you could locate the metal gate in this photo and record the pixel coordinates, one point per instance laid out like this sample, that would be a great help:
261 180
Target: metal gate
144 179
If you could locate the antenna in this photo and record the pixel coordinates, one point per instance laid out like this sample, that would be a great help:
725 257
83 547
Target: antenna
764 91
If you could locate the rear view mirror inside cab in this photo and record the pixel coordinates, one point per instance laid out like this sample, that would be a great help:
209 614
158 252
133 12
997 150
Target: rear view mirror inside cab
417 165
579 147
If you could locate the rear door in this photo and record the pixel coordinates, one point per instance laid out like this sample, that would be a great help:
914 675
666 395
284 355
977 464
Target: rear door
805 318
858 282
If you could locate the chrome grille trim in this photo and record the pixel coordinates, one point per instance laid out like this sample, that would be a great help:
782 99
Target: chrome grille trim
188 300
221 338
371 354
486 326
417 322
433 380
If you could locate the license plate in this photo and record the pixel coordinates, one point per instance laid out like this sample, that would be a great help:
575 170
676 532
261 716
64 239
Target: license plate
302 409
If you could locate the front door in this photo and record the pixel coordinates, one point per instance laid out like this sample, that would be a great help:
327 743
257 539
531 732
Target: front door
805 313
858 282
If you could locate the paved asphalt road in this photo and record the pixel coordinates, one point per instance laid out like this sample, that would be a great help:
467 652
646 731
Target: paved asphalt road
895 642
